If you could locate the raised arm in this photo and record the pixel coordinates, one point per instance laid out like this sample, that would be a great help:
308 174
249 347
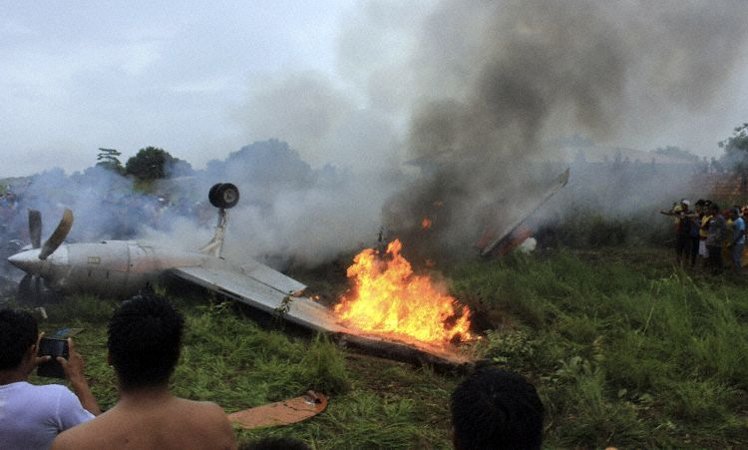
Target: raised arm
73 367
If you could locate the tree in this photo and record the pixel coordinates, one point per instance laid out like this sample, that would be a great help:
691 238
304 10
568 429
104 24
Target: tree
677 152
153 163
736 150
108 158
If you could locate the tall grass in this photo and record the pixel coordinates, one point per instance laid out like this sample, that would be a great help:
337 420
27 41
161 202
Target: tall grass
229 359
625 349
623 355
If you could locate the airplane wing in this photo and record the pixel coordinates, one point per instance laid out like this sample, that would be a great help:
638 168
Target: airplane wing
261 287
270 291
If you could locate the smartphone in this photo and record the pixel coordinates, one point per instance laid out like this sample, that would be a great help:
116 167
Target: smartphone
54 348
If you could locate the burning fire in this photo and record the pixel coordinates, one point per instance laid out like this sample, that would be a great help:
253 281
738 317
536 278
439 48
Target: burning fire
387 297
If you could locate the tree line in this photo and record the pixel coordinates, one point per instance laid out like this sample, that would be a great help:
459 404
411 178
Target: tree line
150 163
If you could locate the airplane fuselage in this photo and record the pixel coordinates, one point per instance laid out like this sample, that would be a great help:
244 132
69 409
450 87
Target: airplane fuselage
108 268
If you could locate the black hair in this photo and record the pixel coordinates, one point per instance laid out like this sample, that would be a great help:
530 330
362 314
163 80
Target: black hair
714 207
145 337
18 332
496 409
275 443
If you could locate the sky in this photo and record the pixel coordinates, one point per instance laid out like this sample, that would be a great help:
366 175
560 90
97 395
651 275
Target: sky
77 75
337 79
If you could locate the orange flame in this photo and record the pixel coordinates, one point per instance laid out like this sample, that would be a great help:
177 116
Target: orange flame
387 297
426 223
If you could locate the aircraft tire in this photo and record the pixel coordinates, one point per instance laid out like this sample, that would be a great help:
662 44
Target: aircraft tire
224 195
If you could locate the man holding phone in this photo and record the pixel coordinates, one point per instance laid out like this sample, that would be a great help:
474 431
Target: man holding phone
32 416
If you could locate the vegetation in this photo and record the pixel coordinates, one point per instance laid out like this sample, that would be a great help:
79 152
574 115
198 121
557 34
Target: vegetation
152 163
108 158
677 152
736 150
625 350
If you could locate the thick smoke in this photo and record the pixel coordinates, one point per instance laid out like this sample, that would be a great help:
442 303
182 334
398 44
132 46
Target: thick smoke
501 79
476 94
292 213
472 96
288 213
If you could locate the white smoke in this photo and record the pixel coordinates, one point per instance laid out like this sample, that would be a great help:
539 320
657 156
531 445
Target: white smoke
475 90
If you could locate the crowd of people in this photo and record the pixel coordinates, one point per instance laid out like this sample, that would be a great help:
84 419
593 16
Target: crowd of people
710 234
490 409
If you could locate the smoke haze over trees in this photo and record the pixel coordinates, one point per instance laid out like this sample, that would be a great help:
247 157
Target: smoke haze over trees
736 150
475 95
152 163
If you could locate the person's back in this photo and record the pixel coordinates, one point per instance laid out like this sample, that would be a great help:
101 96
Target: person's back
154 421
145 336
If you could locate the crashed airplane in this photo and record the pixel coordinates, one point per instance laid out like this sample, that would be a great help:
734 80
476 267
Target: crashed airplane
121 268
508 229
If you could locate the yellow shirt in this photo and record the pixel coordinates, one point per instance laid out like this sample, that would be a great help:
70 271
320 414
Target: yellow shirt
704 226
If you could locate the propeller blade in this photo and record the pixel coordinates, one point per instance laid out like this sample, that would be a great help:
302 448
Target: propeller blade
31 291
35 228
38 290
59 235
25 292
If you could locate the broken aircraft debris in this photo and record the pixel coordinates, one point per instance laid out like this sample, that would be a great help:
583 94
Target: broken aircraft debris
509 228
121 268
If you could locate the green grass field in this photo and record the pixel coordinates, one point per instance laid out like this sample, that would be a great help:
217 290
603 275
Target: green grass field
626 350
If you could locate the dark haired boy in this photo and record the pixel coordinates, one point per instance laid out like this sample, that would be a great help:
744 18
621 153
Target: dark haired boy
32 416
275 443
496 409
145 338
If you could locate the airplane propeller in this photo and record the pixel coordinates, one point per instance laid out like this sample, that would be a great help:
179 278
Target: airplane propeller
35 228
59 235
30 287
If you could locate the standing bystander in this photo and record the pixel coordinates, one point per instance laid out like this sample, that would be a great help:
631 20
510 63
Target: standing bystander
683 220
715 238
737 242
704 231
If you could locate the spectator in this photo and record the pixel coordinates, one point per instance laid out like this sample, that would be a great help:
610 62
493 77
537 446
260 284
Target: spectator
144 342
495 409
684 238
716 229
693 219
702 208
737 240
275 443
32 416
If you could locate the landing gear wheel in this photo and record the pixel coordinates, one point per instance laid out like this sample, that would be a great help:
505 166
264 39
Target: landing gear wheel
224 195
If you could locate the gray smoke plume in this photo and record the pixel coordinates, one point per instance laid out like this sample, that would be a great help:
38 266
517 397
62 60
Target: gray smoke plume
473 94
502 78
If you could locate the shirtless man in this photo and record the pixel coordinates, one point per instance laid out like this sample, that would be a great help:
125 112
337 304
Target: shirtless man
145 336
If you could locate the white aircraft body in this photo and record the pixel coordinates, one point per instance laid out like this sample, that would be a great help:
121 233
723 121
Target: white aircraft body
120 269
